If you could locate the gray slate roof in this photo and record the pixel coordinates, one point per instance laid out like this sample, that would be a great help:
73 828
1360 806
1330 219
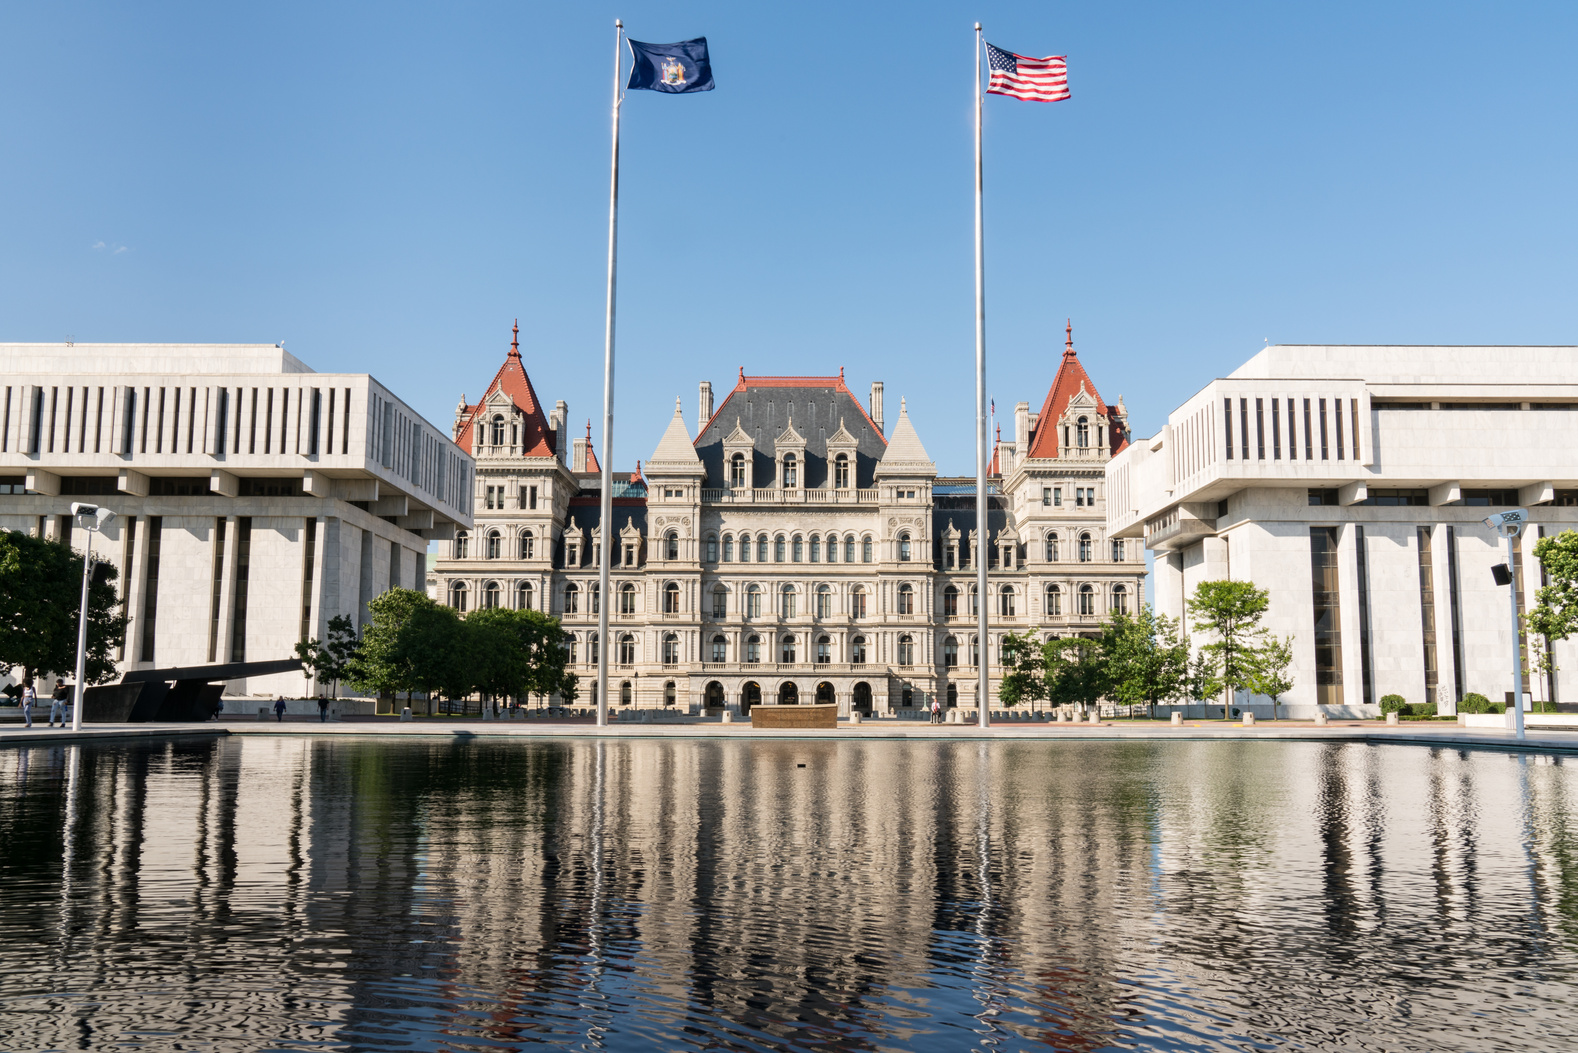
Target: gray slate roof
815 404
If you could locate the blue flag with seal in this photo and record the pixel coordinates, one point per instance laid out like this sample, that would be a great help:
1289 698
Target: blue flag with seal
674 68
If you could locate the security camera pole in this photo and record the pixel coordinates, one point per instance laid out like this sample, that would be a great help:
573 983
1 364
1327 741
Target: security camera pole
91 518
1508 525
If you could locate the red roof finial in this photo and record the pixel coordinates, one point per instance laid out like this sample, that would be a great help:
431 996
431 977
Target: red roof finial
515 339
1068 345
742 372
589 429
999 433
840 373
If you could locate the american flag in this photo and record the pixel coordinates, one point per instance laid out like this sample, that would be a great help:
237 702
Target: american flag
1032 79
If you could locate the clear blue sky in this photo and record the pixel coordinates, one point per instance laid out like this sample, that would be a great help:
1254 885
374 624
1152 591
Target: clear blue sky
385 187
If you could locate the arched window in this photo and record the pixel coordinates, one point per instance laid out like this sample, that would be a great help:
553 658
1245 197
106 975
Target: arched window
1087 601
753 649
865 551
857 602
950 652
1005 601
591 648
975 651
745 548
1051 548
761 548
857 651
791 472
975 601
670 693
457 596
712 548
950 602
720 600
627 649
498 429
799 549
824 650
594 596
787 650
904 547
1082 432
906 600
491 545
849 549
572 598
1054 600
492 595
671 545
786 596
832 548
780 549
841 472
462 544
626 694
728 548
816 549
671 598
525 596
1120 600
720 648
627 598
528 545
574 651
753 601
906 650
1084 548
824 601
670 649
737 471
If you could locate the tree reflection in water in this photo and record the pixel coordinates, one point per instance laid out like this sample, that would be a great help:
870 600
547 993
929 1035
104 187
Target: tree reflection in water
674 894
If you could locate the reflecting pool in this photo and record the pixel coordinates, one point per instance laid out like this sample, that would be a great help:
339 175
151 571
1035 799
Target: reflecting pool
326 894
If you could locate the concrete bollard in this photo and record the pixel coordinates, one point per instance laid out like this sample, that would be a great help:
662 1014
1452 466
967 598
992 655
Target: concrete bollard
1249 720
1177 720
1391 718
263 713
728 716
405 714
854 716
1320 719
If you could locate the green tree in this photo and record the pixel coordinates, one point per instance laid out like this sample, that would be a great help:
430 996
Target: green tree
1272 671
1147 662
1555 613
329 659
1201 683
378 666
40 605
438 653
1024 670
1076 672
1231 612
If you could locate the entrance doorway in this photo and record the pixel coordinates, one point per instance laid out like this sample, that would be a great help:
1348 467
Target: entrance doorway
953 695
788 694
715 699
750 695
824 694
861 699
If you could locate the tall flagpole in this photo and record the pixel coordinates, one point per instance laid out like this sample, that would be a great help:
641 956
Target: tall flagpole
983 648
606 522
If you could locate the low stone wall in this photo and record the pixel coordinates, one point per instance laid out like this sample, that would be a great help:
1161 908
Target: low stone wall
794 716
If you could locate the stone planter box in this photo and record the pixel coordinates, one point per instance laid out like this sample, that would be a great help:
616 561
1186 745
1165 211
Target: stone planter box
794 716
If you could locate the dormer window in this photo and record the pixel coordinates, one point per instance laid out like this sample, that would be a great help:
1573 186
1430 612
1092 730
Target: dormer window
791 472
737 471
1082 432
841 472
498 429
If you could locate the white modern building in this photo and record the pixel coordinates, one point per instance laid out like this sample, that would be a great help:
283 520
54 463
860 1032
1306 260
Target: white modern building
254 498
1350 482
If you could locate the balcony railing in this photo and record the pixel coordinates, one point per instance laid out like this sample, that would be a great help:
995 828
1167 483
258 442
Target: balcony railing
801 668
802 496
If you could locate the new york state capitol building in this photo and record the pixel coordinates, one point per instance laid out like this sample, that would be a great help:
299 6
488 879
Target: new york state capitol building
797 548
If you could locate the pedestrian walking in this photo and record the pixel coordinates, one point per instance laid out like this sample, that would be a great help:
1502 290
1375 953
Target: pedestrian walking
936 712
279 709
29 696
323 709
58 701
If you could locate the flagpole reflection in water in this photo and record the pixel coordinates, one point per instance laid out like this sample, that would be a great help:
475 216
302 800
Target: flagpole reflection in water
68 842
594 926
988 985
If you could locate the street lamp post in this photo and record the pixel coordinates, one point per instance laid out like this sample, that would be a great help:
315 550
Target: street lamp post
91 518
1508 525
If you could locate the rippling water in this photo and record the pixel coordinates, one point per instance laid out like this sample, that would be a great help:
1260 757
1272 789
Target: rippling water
298 894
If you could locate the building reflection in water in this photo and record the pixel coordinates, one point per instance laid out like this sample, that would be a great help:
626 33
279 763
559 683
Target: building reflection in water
780 894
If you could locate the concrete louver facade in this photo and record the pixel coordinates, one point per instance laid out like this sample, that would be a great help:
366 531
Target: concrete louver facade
799 546
1351 482
255 498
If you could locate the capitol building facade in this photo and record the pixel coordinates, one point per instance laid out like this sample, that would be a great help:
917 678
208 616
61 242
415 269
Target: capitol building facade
796 547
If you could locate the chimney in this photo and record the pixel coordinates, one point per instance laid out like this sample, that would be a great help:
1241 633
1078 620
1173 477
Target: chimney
706 406
578 458
556 419
1021 431
876 405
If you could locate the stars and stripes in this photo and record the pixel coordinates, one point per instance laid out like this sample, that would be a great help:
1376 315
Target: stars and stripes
1031 79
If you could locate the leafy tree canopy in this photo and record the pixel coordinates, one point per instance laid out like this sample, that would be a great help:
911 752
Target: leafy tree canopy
40 601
